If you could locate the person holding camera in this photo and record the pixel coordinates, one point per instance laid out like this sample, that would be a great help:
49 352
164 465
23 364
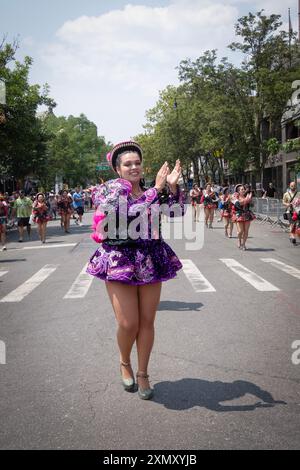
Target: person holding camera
289 199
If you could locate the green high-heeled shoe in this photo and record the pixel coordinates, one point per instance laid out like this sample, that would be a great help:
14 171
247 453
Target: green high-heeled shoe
147 393
128 384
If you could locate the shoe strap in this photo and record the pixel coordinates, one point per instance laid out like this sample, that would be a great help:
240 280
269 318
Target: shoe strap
125 364
143 375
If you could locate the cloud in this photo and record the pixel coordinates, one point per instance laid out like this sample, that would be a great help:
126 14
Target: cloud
112 66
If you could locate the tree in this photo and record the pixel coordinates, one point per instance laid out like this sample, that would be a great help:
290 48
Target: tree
271 65
22 137
73 150
227 113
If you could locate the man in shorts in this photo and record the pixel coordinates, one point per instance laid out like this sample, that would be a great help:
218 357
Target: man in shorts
23 210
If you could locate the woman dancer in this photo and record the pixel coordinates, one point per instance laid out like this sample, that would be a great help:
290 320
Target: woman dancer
226 211
242 214
209 200
134 266
289 199
295 217
65 208
195 195
40 213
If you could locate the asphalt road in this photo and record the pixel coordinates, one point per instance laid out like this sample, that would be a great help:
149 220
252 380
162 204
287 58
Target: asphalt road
221 367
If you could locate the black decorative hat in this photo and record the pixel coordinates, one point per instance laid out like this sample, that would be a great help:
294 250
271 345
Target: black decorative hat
129 146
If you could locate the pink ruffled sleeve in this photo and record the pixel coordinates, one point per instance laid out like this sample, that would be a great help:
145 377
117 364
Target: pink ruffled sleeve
105 198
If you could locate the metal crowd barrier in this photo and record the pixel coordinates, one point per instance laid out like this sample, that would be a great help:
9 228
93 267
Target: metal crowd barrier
270 210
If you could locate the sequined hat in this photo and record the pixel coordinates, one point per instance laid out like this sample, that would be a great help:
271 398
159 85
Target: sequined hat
129 146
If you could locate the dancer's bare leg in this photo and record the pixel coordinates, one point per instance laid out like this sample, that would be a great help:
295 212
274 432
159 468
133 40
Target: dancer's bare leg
124 299
149 296
240 230
44 228
211 216
246 232
226 223
206 211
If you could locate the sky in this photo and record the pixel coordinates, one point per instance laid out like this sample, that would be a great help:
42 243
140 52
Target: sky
110 59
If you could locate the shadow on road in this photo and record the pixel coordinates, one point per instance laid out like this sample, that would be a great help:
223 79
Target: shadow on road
260 249
12 260
188 393
179 306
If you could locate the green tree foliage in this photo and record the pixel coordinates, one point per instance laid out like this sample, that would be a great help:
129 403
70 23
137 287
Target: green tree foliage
73 150
22 138
39 144
225 113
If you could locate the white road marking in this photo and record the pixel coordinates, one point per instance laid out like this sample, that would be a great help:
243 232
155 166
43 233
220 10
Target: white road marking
28 286
255 280
283 267
44 247
80 286
2 273
195 277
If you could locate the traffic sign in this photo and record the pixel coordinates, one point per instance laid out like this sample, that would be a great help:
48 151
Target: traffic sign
103 166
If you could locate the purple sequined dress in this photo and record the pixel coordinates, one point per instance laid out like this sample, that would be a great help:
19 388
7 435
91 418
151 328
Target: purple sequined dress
143 260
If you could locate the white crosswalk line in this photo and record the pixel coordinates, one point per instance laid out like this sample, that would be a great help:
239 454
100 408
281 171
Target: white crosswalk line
32 283
2 273
80 286
286 268
255 280
46 247
195 277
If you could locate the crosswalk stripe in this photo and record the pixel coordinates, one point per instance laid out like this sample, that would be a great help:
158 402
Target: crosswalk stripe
252 278
283 267
2 273
28 286
195 277
45 247
80 286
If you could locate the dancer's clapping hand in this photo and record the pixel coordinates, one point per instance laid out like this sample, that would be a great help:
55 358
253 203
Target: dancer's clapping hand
161 177
173 177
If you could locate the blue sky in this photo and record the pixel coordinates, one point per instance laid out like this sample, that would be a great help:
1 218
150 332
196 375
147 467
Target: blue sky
109 59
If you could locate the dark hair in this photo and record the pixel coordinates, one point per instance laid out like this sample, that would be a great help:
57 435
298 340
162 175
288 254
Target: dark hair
142 183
